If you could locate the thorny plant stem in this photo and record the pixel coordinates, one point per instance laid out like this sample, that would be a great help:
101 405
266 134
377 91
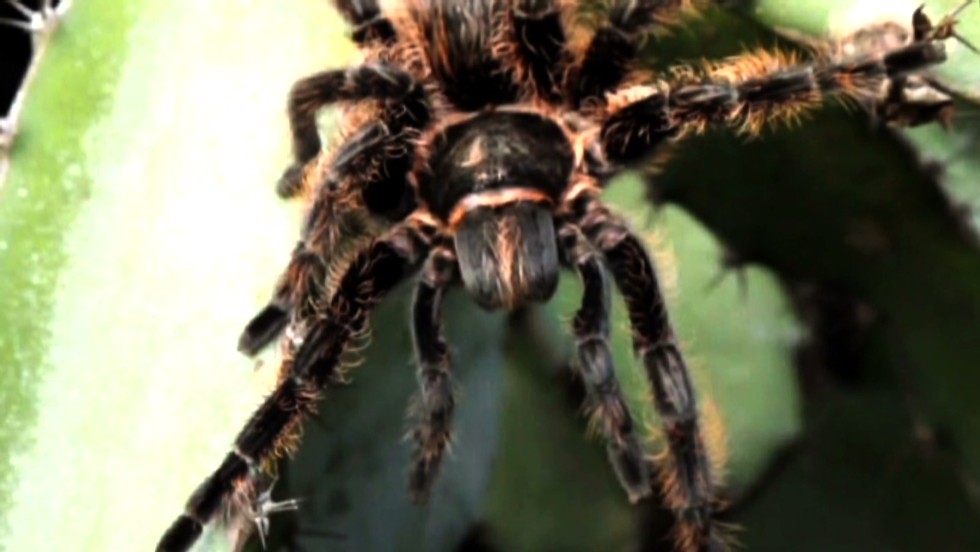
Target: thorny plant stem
41 24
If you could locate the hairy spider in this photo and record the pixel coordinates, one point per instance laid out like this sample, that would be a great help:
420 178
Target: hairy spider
477 137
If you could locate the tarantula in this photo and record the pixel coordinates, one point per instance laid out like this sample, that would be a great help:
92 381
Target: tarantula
477 137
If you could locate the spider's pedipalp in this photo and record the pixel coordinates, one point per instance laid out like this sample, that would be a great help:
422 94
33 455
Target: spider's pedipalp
370 26
590 327
435 403
370 276
684 468
308 95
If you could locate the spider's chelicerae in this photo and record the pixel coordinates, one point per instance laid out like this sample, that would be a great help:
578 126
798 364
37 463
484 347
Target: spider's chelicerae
477 137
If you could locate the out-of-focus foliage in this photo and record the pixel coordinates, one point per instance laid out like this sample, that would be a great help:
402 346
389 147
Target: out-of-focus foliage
138 230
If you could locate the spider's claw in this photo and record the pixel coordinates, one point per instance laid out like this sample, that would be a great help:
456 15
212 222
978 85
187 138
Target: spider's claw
264 506
38 22
24 10
22 25
962 40
262 329
291 182
946 28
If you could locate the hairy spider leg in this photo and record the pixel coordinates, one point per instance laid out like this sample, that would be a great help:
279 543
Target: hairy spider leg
433 408
608 58
912 100
609 411
369 24
329 220
684 468
746 92
317 362
532 44
369 81
368 170
302 281
457 39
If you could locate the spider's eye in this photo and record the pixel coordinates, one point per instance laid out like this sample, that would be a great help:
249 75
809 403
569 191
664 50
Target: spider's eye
508 255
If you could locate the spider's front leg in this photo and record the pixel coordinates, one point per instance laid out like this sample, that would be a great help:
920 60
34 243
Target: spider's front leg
370 26
310 94
364 189
370 276
748 91
591 329
685 471
337 217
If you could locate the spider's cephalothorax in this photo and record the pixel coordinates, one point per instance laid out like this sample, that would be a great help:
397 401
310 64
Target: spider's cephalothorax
495 181
475 143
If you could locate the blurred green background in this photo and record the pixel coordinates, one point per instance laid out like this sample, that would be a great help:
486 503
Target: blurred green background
825 280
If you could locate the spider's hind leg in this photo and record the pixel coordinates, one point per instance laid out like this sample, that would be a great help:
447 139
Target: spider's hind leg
435 403
370 26
533 45
684 469
591 328
364 191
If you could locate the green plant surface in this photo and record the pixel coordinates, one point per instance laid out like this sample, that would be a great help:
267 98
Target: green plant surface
138 231
955 155
861 481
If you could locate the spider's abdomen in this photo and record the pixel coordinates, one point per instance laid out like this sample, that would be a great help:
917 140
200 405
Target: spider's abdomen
508 255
